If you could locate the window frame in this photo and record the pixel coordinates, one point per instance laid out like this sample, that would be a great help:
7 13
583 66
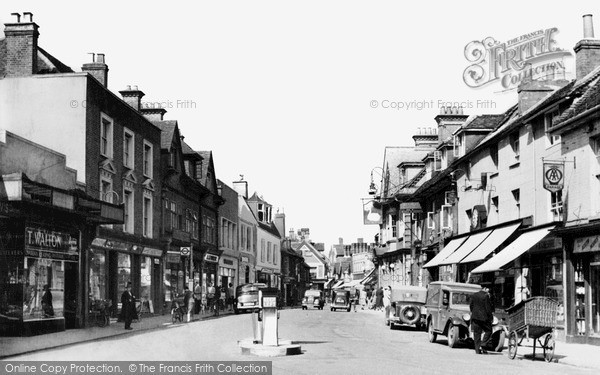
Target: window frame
148 162
128 152
129 219
549 117
147 216
107 149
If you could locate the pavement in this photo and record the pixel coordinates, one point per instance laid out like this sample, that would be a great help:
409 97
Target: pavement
579 355
14 346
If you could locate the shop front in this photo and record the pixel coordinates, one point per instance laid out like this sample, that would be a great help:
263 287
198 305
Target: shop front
582 254
228 270
210 270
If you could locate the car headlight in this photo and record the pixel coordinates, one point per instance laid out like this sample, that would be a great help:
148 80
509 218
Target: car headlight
466 317
495 321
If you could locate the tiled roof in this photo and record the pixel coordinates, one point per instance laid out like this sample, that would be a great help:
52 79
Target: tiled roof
483 122
50 64
187 150
167 131
587 95
207 157
270 228
393 156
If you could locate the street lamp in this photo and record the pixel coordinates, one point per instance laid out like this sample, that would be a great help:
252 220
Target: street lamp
373 187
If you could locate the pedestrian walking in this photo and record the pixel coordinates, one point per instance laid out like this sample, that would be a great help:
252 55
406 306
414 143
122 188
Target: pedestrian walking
362 299
231 297
210 297
379 299
188 302
216 300
223 301
127 306
482 309
356 298
197 298
387 296
370 298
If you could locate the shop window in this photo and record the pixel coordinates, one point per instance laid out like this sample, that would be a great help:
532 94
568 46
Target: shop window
580 298
123 271
97 274
556 205
146 279
44 289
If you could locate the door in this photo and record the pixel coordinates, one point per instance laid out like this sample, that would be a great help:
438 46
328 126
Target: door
595 299
71 285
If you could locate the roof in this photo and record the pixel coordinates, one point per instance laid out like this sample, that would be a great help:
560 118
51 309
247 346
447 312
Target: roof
587 96
270 228
487 122
46 63
256 198
393 157
205 155
167 128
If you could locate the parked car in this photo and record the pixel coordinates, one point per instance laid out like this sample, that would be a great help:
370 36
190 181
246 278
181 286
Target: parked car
408 306
341 300
314 298
246 297
448 314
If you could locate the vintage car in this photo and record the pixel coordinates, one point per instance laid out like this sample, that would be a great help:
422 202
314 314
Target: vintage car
314 298
246 297
448 314
408 306
341 300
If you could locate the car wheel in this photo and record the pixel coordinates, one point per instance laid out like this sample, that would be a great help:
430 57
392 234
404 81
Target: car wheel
430 333
236 311
453 335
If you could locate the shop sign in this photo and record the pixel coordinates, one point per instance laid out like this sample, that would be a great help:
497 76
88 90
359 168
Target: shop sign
211 258
42 254
152 252
228 262
548 243
245 259
173 257
185 251
46 239
554 174
587 244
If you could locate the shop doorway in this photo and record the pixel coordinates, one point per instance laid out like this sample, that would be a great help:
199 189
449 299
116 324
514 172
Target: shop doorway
71 284
595 300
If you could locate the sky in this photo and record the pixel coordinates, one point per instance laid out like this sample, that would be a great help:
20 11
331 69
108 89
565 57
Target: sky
299 97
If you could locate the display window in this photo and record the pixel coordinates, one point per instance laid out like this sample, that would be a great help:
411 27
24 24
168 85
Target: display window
123 271
97 274
44 289
146 278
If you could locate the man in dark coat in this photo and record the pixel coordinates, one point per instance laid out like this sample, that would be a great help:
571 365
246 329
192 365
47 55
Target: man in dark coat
217 299
127 306
482 309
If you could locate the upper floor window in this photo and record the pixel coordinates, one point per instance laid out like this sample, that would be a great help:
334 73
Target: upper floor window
129 211
147 217
173 158
148 159
275 254
549 119
437 160
106 136
269 252
106 191
517 197
514 143
190 168
556 205
446 217
128 148
457 145
394 225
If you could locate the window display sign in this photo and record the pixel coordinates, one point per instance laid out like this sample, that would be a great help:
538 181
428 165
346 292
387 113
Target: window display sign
47 244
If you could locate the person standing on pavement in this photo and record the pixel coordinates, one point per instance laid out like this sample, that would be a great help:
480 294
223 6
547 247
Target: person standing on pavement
231 297
362 299
482 309
127 306
387 296
217 300
188 302
197 298
211 296
379 299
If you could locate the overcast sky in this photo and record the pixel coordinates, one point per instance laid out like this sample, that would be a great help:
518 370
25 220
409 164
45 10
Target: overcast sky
282 92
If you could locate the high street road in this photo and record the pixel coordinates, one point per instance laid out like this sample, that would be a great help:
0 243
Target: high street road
332 343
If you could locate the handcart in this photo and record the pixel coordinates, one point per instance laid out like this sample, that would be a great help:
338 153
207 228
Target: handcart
533 318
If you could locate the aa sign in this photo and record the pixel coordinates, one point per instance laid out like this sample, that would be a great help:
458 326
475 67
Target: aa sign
371 214
554 176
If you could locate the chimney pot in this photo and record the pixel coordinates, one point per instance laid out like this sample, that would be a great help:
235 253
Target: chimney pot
28 15
100 58
135 87
128 87
18 15
588 27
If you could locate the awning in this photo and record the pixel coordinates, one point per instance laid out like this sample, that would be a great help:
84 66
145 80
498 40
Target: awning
329 283
491 243
514 250
470 244
337 285
447 250
369 277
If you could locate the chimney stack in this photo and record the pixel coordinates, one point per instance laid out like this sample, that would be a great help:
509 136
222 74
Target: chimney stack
21 46
280 223
241 187
587 50
97 68
132 96
153 114
449 120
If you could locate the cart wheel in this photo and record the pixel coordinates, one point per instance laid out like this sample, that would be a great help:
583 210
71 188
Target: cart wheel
512 344
549 345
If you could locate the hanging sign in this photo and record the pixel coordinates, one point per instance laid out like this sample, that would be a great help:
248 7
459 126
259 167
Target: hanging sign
554 176
371 214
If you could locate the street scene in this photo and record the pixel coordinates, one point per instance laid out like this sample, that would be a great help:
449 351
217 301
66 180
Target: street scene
321 187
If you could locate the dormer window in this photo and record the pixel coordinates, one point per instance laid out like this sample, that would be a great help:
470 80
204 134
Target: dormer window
173 158
261 212
549 120
190 168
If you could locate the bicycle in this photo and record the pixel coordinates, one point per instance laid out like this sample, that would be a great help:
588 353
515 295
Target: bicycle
100 309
